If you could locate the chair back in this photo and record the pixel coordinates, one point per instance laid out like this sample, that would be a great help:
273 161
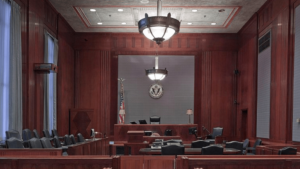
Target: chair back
46 134
245 144
212 150
14 143
236 145
217 131
172 150
80 138
287 151
199 144
35 143
72 138
168 132
56 142
36 134
54 133
13 133
26 134
257 143
67 140
46 142
154 120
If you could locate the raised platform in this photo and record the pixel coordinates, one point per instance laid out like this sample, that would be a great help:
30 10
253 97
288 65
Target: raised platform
181 130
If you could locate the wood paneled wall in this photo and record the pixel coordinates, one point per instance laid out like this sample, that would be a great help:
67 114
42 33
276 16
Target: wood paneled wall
38 16
275 16
215 83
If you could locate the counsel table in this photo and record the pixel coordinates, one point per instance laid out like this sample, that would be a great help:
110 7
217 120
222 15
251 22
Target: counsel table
188 151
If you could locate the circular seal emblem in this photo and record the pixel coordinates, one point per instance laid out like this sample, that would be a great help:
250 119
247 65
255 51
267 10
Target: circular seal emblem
156 91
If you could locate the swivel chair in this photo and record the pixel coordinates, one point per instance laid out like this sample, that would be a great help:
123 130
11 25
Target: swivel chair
287 151
200 144
172 150
212 150
35 143
14 143
217 131
236 145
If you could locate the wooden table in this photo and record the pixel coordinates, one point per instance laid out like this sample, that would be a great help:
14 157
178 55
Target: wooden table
188 151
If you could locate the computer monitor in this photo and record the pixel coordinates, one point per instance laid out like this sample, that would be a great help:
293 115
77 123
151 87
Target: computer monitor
142 121
132 122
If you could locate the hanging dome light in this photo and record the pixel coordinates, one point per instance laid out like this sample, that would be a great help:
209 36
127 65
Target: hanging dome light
155 73
159 28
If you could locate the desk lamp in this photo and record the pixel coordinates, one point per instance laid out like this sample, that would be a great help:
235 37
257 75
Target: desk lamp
189 112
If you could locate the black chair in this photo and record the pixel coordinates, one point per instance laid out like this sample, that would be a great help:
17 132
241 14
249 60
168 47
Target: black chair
14 143
35 143
36 134
47 134
236 145
172 150
287 151
80 138
57 144
200 144
67 140
154 120
253 149
46 143
245 145
26 134
168 132
217 131
72 138
212 150
13 133
172 142
55 133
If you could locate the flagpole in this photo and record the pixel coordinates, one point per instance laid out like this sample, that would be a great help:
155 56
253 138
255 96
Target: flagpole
122 103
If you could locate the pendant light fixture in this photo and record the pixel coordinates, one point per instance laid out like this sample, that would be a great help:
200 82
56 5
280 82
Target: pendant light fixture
155 73
159 28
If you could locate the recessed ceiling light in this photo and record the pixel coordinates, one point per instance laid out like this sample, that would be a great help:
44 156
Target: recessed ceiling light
189 23
123 23
194 10
120 10
213 23
93 10
144 1
99 23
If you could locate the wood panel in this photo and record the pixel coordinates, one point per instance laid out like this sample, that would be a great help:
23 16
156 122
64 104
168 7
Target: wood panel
30 152
247 78
229 162
48 162
93 86
38 16
66 75
219 91
81 121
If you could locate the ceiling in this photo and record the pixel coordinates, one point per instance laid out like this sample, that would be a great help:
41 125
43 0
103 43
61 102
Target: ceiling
229 16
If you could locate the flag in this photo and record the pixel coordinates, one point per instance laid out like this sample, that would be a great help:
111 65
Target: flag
122 103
